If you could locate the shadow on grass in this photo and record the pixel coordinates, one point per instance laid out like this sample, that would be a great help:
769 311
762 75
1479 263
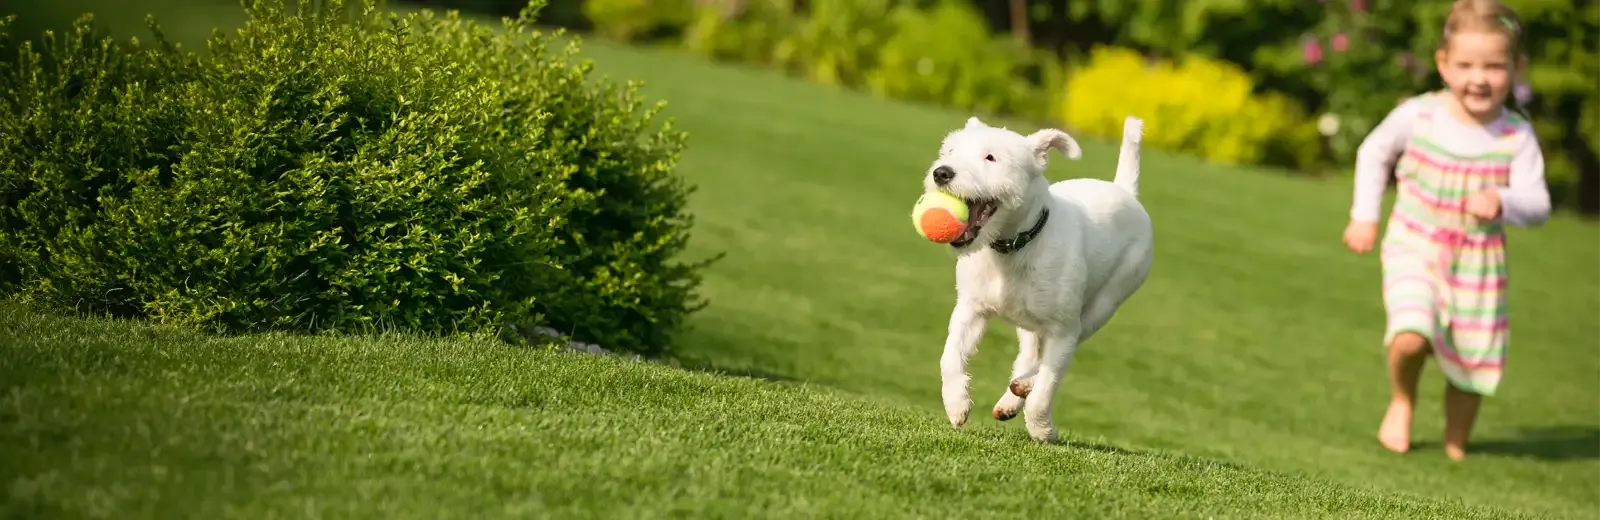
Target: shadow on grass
1553 443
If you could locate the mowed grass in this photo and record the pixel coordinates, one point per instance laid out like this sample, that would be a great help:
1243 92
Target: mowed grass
105 419
1244 380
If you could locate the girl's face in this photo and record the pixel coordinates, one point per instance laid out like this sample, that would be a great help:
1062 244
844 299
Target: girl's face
1478 68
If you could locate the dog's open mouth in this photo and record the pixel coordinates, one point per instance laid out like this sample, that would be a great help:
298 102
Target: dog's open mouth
978 213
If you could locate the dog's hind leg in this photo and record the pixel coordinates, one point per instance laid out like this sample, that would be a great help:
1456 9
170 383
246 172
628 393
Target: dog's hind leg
1123 283
1029 347
966 328
1059 348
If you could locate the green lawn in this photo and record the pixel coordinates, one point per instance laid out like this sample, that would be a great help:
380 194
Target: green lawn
1244 380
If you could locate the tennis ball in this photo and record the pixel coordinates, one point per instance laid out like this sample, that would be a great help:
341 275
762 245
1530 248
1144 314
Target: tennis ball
939 216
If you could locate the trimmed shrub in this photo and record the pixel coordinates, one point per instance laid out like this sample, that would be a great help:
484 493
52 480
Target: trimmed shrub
342 169
1200 106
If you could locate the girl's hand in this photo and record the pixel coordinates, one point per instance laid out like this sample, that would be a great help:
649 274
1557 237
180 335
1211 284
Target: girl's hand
1359 236
1484 204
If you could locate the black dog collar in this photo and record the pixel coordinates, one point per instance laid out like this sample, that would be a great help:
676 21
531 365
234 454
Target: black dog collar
1022 239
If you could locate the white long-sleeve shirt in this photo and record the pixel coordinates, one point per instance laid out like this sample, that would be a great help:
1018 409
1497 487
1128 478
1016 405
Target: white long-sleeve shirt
1524 202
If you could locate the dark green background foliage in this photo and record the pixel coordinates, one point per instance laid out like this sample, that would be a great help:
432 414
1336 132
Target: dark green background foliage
341 169
1016 56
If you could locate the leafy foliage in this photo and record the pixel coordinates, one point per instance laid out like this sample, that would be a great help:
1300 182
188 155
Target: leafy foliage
628 20
946 55
1359 58
1564 43
745 31
1349 61
339 169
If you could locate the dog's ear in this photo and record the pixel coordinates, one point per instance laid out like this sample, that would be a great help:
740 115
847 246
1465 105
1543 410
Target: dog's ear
973 122
1048 138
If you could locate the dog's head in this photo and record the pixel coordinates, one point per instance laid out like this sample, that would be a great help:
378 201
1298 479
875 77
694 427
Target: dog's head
992 169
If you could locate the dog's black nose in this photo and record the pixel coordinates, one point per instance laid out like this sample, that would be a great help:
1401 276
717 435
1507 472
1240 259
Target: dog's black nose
942 175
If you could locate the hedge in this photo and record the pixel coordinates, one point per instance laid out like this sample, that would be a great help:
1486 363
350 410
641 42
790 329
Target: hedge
341 168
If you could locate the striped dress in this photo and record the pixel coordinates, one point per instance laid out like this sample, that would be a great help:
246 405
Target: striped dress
1445 271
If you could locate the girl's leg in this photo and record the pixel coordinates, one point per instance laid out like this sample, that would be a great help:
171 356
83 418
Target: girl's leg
1407 352
1411 301
1460 411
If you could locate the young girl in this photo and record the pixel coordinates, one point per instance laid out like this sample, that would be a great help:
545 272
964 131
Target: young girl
1468 166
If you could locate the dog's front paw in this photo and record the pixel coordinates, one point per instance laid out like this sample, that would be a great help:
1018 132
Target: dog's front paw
957 405
958 411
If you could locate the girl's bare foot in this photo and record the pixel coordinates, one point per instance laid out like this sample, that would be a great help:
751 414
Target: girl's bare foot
1460 412
1407 352
1395 432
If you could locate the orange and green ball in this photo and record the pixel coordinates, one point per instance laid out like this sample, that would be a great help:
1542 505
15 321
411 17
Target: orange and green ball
939 216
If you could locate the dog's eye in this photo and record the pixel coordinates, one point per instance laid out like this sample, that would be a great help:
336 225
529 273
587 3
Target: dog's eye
989 157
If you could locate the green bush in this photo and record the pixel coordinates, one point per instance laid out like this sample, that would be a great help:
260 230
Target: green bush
833 42
899 49
633 20
322 171
745 31
946 55
1564 44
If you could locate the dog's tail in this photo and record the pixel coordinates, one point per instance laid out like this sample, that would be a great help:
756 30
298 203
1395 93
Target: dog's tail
1128 163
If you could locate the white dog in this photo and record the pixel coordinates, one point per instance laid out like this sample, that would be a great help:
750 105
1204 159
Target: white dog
1055 260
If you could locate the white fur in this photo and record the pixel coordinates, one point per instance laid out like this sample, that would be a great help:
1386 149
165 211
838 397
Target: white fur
1094 251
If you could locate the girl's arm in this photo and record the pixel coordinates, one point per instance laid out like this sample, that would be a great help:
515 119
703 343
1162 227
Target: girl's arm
1526 202
1374 158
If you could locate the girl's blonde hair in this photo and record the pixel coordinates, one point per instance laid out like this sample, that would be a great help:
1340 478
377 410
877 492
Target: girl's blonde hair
1489 16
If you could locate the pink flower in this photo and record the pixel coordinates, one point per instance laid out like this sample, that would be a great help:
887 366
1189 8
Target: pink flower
1341 42
1310 50
1523 92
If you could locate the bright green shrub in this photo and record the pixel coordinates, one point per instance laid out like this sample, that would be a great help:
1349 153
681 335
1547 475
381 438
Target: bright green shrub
318 171
946 55
631 20
1201 106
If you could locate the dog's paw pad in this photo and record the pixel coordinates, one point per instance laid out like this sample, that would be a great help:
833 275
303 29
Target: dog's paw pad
1004 414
